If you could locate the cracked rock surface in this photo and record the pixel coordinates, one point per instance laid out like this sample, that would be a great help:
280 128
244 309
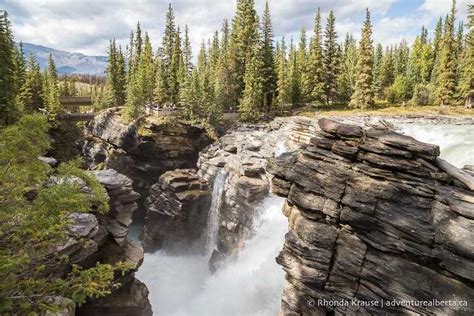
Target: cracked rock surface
372 218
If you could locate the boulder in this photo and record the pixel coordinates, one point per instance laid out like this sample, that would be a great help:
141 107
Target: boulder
373 220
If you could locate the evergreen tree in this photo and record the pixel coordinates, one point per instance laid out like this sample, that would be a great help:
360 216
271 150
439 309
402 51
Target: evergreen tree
330 59
313 82
268 70
243 38
438 37
294 76
222 80
302 66
168 66
387 71
363 94
252 98
446 87
20 67
377 82
52 93
283 98
8 111
30 98
187 51
347 77
467 75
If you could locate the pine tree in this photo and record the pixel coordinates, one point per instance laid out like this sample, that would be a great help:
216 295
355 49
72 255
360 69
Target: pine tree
446 87
363 94
313 82
243 37
283 98
377 82
302 64
294 76
438 37
330 59
252 98
30 98
467 75
121 81
347 77
20 67
165 52
8 111
187 51
268 51
222 80
52 94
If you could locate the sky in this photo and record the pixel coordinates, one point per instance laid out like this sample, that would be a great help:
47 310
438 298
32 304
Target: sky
86 26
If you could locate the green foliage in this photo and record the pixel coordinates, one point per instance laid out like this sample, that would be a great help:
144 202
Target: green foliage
331 59
467 76
363 93
313 79
252 99
33 222
398 92
423 95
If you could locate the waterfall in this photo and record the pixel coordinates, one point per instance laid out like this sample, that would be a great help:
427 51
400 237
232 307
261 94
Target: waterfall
456 142
214 211
249 285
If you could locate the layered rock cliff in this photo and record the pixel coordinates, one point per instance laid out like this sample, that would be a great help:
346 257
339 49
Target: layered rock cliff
176 212
375 226
143 149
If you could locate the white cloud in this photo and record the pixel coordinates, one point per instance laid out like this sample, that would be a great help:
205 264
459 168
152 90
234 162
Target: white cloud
86 26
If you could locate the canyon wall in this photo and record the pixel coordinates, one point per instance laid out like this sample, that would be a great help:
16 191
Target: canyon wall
373 219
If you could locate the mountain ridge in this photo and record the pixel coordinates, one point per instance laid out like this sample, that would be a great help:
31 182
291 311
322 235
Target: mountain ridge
67 62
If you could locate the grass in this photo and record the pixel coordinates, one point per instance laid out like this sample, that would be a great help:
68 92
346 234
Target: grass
384 109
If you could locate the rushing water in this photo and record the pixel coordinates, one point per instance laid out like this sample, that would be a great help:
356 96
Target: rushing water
214 211
249 285
455 141
252 283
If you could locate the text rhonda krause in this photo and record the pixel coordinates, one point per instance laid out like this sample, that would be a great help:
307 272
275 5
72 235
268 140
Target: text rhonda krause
388 303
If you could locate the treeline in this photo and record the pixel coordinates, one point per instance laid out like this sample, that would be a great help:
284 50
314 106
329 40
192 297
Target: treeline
242 68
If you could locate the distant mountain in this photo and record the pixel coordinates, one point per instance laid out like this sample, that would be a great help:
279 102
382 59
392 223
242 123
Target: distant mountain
67 63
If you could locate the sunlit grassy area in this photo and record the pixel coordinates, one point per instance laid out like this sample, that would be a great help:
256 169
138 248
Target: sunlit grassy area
385 110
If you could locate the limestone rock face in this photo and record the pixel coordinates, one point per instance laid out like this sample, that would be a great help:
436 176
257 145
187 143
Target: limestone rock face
372 218
242 154
122 203
176 211
143 149
129 300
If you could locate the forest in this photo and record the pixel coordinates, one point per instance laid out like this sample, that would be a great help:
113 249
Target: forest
242 68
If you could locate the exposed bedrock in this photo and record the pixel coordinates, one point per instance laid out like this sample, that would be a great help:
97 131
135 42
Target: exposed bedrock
242 155
372 217
103 238
176 212
143 149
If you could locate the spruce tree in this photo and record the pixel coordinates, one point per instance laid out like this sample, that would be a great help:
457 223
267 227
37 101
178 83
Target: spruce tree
52 93
283 97
244 37
252 98
222 80
268 51
30 98
330 59
377 82
314 82
467 75
346 79
187 51
294 76
363 94
8 110
302 64
438 37
446 86
168 46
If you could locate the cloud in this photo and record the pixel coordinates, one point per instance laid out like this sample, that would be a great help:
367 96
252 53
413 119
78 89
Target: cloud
86 26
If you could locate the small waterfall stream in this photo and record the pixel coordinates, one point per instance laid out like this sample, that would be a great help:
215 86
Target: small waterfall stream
214 211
